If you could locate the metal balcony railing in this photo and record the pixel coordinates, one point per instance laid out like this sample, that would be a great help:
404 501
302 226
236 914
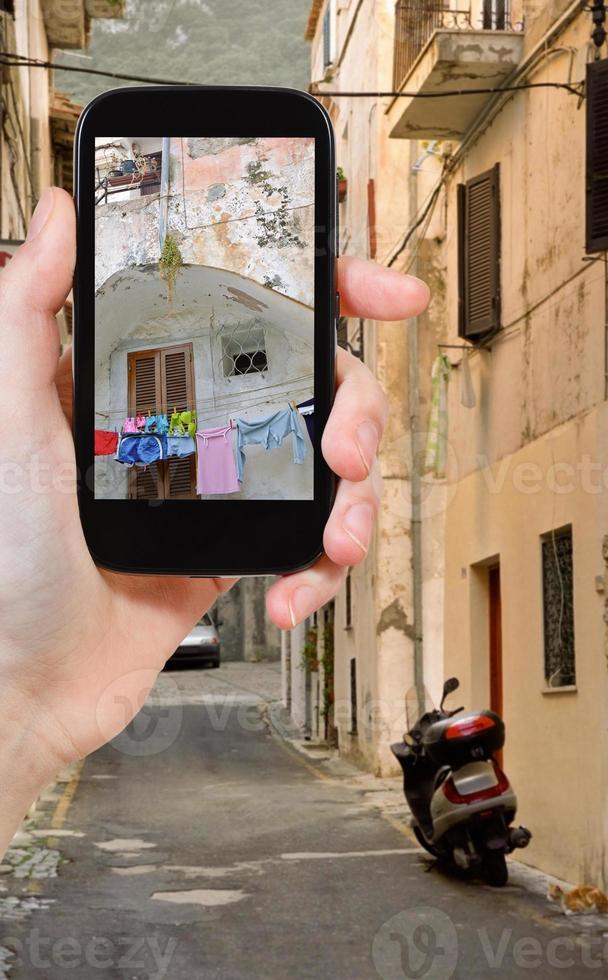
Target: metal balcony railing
416 20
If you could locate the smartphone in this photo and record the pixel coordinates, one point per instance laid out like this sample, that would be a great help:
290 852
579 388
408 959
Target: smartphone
205 316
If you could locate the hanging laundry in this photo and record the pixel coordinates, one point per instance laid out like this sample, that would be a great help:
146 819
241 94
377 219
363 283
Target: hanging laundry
133 425
183 424
106 443
158 424
216 467
467 391
180 446
141 450
270 432
307 411
437 441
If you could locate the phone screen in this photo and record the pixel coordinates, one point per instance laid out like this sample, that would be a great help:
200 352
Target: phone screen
204 381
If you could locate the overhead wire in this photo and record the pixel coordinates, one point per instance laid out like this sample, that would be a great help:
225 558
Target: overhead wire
9 57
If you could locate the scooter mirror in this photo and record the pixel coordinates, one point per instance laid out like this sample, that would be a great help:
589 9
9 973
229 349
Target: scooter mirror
450 685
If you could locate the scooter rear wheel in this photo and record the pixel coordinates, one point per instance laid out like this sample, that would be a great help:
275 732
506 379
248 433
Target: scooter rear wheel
424 842
494 870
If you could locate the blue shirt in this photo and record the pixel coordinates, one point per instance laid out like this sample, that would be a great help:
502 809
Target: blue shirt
269 432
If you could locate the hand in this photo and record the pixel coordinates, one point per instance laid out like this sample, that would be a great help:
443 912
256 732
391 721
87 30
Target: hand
78 643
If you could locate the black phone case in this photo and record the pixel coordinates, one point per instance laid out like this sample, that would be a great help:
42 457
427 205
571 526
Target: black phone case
207 537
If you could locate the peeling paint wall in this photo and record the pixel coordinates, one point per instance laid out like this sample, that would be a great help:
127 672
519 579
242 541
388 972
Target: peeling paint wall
380 636
243 205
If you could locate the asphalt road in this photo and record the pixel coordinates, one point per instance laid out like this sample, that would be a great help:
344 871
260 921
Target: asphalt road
199 845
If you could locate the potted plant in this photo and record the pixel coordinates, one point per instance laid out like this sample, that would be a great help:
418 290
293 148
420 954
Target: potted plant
342 185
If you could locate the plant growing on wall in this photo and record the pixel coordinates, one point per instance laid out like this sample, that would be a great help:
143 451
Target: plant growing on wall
310 656
169 264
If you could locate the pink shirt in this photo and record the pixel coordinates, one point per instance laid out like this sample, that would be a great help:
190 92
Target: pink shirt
216 466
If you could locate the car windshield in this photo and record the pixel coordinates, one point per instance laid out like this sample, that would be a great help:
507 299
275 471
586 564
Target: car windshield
417 703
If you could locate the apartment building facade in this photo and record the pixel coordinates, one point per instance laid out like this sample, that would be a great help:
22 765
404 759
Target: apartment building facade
38 122
514 245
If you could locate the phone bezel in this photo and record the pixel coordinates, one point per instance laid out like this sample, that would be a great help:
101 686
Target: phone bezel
212 537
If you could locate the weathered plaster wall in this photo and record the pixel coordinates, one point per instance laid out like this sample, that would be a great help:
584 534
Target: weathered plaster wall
243 205
555 748
548 366
531 457
245 630
381 636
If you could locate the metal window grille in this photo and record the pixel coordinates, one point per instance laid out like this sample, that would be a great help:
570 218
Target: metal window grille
243 350
558 608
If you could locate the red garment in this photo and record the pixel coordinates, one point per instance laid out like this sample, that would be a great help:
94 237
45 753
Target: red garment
106 443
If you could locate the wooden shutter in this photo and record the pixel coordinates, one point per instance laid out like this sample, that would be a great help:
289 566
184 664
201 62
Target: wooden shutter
178 393
479 255
597 156
160 381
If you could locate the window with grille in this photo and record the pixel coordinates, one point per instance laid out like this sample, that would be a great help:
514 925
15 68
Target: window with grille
479 256
597 156
243 351
558 608
162 380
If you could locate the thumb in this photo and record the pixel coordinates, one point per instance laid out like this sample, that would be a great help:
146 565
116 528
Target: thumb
33 288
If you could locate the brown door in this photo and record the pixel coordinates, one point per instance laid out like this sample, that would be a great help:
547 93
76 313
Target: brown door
495 644
162 380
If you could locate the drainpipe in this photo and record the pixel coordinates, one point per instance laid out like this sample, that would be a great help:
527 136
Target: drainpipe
416 458
164 192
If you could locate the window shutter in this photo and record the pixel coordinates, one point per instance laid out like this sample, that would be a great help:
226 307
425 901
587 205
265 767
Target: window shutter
597 156
161 381
479 255
144 396
176 373
180 477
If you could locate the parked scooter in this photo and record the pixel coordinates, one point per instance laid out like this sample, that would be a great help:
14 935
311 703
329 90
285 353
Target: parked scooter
461 801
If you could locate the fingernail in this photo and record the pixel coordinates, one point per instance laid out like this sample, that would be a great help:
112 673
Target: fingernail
302 603
41 214
358 525
367 443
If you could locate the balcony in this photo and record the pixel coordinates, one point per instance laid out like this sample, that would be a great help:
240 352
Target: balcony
442 45
67 21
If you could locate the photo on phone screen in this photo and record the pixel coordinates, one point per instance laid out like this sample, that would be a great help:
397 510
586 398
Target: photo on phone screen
204 318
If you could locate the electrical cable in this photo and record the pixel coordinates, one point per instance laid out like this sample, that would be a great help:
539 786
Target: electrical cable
425 213
10 58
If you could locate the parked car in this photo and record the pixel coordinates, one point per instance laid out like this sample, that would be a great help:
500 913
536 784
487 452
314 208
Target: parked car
202 645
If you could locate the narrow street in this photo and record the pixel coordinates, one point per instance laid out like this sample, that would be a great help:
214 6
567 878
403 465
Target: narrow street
201 845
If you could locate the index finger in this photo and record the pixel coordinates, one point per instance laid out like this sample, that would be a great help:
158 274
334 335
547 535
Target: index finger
375 292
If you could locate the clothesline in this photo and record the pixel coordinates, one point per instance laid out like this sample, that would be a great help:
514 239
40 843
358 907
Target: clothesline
210 412
220 450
